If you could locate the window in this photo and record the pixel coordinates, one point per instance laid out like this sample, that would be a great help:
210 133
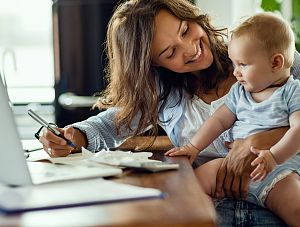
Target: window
26 56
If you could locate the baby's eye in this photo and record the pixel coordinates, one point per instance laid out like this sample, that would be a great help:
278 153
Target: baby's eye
243 65
233 65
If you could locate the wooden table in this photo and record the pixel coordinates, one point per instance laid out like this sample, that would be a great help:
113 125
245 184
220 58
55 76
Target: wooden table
185 204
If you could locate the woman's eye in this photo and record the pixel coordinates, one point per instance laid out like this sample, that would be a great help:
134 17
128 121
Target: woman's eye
185 31
172 54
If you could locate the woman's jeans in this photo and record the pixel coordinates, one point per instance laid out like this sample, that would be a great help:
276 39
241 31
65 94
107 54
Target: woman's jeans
241 213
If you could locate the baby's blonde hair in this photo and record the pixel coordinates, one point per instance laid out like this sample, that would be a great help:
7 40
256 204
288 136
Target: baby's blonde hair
273 33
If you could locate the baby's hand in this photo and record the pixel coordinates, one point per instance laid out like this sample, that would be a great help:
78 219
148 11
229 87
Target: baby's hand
264 163
187 150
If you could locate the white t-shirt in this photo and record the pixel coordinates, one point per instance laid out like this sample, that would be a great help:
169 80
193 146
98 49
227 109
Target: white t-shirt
195 113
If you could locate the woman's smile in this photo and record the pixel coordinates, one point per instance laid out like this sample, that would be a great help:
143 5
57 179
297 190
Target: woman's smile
180 46
197 55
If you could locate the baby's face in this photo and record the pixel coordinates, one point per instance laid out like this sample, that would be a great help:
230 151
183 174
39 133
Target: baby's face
252 65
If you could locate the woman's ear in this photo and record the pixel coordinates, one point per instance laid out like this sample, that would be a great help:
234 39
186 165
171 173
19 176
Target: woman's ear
277 61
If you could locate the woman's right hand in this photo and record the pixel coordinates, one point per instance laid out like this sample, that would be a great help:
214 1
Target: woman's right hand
57 147
233 176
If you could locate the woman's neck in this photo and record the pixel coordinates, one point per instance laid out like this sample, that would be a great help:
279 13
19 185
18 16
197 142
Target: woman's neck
219 92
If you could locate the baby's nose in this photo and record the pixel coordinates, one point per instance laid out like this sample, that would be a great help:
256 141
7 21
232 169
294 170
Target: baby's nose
236 72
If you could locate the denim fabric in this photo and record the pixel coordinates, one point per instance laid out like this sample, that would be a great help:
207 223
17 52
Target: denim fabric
241 213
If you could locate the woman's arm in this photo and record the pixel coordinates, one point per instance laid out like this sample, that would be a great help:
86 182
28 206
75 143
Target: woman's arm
101 132
234 174
287 147
94 133
150 143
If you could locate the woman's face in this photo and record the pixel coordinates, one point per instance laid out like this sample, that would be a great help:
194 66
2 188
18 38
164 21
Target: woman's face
181 46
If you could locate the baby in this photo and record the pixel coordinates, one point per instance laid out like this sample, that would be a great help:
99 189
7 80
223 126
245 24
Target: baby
265 96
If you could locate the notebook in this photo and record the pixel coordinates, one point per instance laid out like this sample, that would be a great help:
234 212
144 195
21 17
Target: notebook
15 171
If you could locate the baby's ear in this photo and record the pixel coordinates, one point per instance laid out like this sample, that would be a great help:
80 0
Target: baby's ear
277 61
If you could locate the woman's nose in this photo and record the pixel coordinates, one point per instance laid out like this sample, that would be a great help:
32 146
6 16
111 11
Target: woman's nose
190 50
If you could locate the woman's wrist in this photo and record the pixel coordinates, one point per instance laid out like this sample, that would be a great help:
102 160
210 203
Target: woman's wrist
258 141
82 136
255 140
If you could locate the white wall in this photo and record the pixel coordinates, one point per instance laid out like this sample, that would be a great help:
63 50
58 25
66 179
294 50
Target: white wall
226 13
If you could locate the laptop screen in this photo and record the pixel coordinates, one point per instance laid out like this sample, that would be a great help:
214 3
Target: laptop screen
13 167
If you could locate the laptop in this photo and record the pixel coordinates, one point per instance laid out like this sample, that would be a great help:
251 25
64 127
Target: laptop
16 171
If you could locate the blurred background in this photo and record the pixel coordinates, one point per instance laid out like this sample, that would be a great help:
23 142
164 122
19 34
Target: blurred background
52 56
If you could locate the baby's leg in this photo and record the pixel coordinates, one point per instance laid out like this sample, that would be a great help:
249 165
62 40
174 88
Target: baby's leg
284 199
207 175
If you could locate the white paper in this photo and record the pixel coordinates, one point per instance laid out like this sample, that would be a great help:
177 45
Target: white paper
103 157
117 158
71 159
42 172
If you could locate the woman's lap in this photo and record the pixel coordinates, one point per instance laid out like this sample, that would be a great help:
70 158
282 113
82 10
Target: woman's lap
233 212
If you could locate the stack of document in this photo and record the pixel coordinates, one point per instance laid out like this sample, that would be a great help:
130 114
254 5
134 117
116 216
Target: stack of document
119 159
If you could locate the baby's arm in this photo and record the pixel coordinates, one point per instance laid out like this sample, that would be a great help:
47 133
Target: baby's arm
221 120
288 146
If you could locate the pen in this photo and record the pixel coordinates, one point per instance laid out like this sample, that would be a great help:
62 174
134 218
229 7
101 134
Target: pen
50 127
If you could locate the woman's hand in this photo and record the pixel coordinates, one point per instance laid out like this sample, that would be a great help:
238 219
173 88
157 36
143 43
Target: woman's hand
187 150
57 147
234 174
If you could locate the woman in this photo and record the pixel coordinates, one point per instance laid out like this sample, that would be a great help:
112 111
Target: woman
167 66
